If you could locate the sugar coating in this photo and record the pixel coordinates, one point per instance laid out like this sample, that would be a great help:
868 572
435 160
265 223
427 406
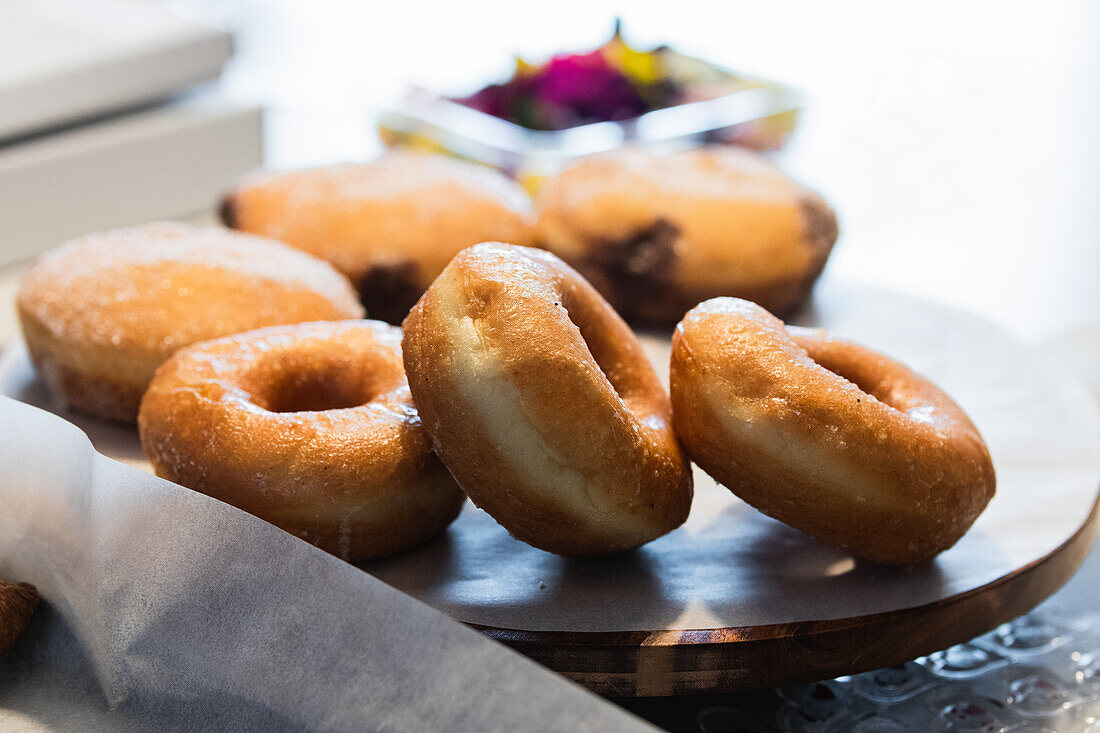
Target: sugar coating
404 207
739 221
164 285
723 173
358 480
397 174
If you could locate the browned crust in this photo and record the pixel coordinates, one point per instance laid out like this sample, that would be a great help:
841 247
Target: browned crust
556 334
636 272
658 298
820 226
876 482
17 604
98 317
227 211
821 231
359 482
663 310
419 206
657 288
98 396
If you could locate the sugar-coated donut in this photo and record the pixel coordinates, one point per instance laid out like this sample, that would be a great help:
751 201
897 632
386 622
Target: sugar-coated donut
17 604
829 437
541 403
310 427
101 313
657 233
390 225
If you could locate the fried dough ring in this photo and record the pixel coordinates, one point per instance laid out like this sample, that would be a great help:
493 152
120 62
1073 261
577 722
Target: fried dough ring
541 403
310 427
829 437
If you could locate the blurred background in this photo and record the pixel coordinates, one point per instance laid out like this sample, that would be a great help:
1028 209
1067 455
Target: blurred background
957 141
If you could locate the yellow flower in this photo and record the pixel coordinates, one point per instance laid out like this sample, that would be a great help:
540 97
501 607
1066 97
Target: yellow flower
525 68
643 67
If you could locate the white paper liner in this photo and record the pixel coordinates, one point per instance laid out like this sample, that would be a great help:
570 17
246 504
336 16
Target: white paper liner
182 613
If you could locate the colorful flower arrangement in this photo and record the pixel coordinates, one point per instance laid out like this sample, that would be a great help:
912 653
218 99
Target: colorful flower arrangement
614 82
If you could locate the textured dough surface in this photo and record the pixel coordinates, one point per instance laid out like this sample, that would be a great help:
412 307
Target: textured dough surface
659 232
827 436
402 216
540 401
310 427
102 312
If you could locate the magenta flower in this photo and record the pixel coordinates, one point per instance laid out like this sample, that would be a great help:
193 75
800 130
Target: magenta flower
585 88
575 89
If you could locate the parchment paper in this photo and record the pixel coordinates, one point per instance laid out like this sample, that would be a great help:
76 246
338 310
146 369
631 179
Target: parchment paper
168 610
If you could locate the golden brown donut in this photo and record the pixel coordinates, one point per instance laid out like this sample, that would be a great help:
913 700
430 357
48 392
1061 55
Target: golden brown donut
17 604
829 437
541 403
101 313
657 233
390 225
310 427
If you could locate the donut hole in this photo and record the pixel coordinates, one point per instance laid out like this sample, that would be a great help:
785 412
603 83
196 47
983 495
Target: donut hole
316 392
604 341
313 383
852 365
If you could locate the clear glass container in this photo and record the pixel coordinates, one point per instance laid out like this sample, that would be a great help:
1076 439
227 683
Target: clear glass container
757 113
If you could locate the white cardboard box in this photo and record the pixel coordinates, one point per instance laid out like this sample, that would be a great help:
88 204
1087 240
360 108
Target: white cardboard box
68 60
166 161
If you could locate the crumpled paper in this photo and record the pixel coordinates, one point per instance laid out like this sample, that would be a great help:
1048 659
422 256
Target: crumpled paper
179 612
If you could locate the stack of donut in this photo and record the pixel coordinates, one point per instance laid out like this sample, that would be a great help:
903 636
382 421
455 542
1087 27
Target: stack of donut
514 381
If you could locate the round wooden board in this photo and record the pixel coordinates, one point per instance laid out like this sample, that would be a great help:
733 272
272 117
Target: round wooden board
734 600
661 662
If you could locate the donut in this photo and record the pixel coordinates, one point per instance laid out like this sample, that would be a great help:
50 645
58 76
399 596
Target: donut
390 225
310 427
657 233
17 604
827 436
539 400
101 313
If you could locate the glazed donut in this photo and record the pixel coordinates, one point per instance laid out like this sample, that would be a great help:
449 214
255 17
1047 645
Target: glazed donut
310 427
17 604
657 233
826 436
101 313
541 403
390 225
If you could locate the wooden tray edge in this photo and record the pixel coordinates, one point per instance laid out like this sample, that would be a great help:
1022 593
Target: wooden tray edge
663 662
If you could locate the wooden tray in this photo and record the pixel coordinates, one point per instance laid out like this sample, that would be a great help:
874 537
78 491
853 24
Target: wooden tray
734 600
730 659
